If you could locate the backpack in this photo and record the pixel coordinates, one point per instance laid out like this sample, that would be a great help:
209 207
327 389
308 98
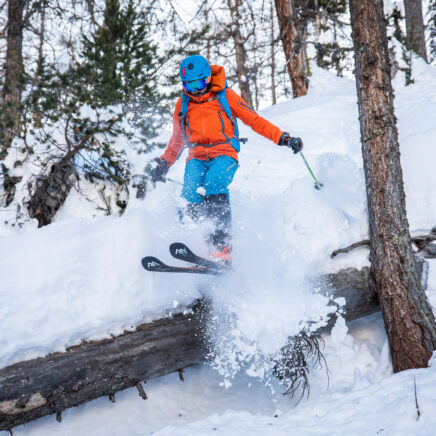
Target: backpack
224 105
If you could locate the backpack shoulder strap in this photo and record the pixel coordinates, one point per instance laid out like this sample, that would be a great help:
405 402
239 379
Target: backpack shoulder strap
182 114
222 100
183 108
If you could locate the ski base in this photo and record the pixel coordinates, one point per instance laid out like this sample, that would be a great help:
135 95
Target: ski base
153 264
182 252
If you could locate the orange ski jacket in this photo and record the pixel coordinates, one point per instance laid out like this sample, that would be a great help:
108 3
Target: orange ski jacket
206 123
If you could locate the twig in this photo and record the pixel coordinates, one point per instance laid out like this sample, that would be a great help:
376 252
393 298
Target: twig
141 391
181 377
349 248
300 43
421 242
198 11
300 353
416 400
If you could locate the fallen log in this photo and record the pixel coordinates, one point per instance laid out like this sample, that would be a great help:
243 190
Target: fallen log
39 387
356 287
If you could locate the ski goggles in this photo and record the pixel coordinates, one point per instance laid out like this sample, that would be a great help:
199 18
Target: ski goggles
196 85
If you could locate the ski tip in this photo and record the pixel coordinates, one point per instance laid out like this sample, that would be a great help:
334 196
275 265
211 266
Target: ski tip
179 249
177 245
150 263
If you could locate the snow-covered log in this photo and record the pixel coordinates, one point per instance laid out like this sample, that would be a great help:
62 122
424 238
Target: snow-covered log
38 387
356 287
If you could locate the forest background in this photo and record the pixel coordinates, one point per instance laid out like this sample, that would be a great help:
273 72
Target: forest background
78 76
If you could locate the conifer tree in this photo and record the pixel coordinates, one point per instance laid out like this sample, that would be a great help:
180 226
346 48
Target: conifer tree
116 65
118 58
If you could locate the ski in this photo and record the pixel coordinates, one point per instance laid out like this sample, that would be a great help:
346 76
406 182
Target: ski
151 263
182 252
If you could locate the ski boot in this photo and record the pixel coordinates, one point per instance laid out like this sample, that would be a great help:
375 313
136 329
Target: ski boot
218 211
222 255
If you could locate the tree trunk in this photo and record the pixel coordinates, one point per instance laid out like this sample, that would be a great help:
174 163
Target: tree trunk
292 47
273 58
240 52
415 27
37 79
317 17
409 321
14 76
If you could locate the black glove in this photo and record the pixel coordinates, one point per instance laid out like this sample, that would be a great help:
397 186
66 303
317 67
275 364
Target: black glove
287 140
158 173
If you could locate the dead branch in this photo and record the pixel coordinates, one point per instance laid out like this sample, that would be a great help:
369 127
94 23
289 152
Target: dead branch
422 242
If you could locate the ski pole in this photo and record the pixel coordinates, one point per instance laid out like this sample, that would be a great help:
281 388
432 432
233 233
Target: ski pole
169 179
318 185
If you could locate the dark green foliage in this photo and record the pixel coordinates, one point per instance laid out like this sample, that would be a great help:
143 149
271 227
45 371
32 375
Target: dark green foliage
8 185
306 10
327 15
395 20
117 59
107 98
146 115
117 66
332 56
336 7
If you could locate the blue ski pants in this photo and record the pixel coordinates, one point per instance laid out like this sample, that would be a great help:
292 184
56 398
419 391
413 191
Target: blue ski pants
214 175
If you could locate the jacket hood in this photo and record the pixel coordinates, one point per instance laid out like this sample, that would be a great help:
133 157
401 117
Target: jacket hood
217 83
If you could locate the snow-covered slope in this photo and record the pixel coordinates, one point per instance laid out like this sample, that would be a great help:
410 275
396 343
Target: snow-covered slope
81 278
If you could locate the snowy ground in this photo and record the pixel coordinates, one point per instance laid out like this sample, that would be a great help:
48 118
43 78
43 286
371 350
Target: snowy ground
81 278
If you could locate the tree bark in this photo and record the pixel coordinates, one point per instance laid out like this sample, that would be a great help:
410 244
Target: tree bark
273 58
37 79
14 76
240 52
39 387
292 47
51 191
409 321
415 39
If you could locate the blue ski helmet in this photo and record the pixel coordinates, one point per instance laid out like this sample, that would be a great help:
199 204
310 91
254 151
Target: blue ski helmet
194 68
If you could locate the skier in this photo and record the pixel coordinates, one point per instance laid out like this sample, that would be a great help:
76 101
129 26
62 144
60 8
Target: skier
205 121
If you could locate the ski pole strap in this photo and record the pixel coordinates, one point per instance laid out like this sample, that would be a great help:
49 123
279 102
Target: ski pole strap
318 185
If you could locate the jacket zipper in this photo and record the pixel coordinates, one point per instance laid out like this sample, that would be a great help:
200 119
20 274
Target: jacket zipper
187 125
222 126
202 118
